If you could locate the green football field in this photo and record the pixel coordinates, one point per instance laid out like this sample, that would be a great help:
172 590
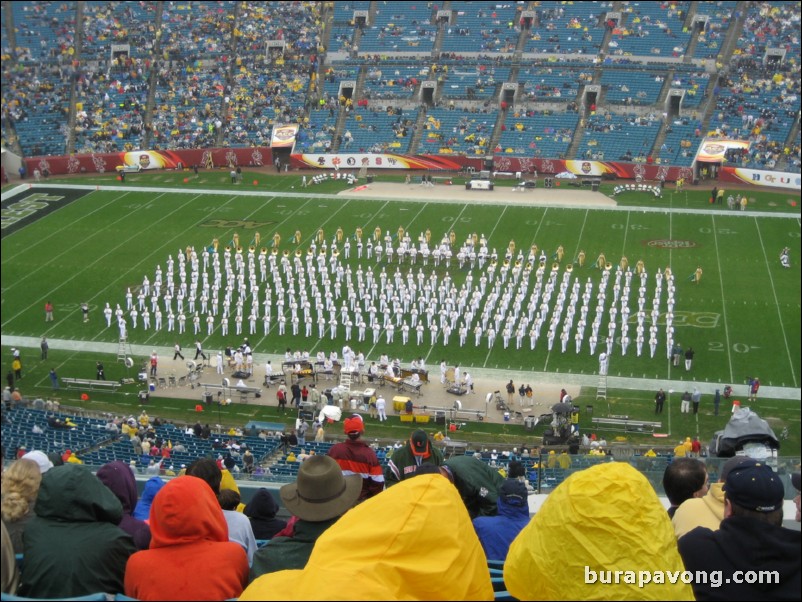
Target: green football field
742 318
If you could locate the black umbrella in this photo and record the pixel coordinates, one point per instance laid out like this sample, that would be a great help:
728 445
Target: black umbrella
562 408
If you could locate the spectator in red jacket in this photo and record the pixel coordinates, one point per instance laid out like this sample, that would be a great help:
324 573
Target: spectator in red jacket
356 457
190 556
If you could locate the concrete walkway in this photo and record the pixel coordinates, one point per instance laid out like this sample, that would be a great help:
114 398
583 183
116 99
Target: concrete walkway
546 385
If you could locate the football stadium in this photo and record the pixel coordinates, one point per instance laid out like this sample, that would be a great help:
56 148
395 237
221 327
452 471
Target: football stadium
479 259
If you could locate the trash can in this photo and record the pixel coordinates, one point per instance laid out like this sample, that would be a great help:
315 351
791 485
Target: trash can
529 423
589 410
440 417
370 179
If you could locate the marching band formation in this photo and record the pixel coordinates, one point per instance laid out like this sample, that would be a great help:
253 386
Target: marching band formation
400 289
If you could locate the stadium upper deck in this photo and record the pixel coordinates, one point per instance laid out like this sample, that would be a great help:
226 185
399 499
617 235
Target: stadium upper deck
99 77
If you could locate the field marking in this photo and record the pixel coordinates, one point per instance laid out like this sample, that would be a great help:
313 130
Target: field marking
364 226
453 223
626 231
586 214
776 304
310 238
723 303
522 202
498 221
88 266
70 249
579 236
27 250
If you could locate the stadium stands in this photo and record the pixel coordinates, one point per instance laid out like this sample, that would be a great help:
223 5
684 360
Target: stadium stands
200 74
399 27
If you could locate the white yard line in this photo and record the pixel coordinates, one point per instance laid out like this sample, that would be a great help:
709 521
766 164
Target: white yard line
70 250
98 259
579 237
723 301
54 233
777 305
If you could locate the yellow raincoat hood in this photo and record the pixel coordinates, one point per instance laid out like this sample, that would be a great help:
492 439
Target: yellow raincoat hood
414 541
604 518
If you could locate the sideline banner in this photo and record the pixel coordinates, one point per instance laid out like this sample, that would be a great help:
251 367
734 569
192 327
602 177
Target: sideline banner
759 177
382 161
151 159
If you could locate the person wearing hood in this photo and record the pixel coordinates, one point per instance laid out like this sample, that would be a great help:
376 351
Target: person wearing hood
599 520
239 527
320 495
425 549
118 477
477 482
708 510
496 533
261 511
750 540
190 556
73 546
142 509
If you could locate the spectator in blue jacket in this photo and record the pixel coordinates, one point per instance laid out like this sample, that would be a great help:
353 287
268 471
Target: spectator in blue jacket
497 532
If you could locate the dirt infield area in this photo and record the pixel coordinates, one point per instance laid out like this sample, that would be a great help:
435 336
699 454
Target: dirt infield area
566 196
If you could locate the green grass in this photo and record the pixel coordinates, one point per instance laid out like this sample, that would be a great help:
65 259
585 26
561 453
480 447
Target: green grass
219 179
743 319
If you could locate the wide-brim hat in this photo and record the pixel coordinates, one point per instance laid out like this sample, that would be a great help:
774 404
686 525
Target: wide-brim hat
321 491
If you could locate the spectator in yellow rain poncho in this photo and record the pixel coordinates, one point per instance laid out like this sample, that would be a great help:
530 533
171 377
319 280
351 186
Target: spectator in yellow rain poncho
601 519
414 541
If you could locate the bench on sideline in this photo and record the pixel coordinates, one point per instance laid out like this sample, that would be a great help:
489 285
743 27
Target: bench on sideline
91 384
641 426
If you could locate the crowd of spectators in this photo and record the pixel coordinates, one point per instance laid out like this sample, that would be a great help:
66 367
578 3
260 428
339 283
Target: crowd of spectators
181 84
442 524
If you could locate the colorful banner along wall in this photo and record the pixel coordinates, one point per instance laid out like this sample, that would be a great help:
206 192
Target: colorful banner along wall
759 177
382 161
151 159
603 169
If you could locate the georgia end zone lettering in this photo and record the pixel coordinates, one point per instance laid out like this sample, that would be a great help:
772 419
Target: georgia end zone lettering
229 223
30 205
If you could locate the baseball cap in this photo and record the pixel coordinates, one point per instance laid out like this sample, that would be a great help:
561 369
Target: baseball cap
419 443
514 493
754 486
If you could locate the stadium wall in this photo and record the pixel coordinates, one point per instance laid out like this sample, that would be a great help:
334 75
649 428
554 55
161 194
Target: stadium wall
263 156
151 159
